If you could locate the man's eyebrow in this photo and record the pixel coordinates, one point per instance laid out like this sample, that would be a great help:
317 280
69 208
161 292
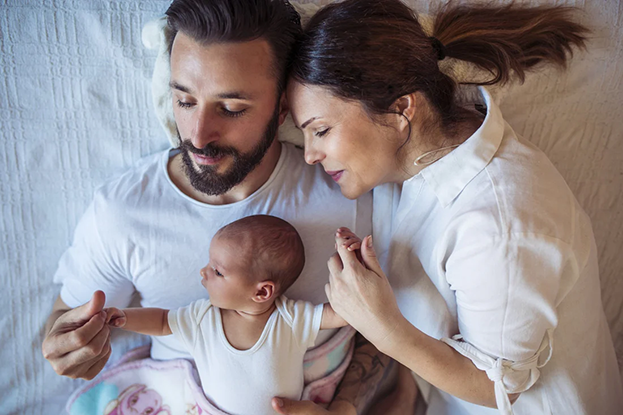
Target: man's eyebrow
224 95
179 87
234 95
306 123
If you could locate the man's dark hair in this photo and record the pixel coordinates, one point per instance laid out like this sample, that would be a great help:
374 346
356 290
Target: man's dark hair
216 21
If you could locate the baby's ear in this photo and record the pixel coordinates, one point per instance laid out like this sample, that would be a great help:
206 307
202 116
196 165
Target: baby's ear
264 291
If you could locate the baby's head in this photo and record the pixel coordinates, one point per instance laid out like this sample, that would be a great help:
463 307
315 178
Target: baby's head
252 260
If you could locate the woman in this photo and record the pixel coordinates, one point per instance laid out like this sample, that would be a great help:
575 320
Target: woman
487 285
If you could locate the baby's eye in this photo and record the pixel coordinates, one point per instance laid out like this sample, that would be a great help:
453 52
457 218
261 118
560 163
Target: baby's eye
216 271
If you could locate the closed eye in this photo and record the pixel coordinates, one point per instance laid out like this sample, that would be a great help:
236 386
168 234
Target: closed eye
182 104
233 114
321 133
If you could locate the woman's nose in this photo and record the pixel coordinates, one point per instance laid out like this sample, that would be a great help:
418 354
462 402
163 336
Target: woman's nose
313 155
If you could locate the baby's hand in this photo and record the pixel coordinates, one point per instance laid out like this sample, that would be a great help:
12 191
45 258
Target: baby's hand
115 317
347 239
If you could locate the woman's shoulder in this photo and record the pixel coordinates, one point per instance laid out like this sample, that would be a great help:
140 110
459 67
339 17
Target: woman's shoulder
521 192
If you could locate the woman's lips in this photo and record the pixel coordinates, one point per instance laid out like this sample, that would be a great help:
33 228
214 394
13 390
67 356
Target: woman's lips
335 175
206 161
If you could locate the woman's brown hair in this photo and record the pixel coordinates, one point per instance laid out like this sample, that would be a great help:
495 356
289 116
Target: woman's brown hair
375 51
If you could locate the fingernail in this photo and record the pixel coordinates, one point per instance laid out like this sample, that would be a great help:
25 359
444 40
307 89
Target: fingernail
370 242
279 402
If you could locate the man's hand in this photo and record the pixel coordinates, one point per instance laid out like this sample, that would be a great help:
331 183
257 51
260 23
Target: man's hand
290 407
78 343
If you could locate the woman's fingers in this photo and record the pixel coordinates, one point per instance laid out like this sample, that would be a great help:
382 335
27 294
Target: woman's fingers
327 290
368 255
335 265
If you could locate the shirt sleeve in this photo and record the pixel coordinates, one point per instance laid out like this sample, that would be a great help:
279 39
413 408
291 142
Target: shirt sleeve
507 290
306 319
91 262
184 322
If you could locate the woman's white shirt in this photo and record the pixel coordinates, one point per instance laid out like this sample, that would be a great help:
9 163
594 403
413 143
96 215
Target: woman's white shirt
489 244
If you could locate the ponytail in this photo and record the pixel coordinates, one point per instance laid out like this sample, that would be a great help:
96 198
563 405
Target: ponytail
508 39
375 51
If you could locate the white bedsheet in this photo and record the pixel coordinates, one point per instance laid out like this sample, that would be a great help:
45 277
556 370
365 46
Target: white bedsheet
75 109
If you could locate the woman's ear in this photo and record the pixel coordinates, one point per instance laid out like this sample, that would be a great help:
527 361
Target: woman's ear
264 291
405 107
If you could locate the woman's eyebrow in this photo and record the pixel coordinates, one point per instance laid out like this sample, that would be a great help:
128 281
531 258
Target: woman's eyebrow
306 123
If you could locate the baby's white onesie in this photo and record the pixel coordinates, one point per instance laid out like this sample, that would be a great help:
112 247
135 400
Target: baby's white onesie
243 382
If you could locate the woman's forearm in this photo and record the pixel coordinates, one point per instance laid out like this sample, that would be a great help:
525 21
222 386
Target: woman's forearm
440 365
151 321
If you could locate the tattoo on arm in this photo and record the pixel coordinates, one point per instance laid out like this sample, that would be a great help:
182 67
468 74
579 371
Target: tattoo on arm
364 375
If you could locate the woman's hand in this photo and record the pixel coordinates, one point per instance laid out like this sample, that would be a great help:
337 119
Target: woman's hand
360 292
291 407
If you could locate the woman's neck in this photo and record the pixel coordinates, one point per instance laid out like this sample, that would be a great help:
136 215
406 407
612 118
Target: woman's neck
434 144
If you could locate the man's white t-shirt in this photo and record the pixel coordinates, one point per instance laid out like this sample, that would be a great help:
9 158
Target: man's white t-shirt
142 235
490 244
245 381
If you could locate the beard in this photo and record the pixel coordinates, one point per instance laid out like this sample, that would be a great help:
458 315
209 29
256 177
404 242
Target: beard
206 179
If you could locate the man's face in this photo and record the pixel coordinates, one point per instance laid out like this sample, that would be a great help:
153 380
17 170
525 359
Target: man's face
226 109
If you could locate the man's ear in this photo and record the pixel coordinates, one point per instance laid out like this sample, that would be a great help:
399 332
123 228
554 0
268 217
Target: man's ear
405 108
283 108
264 291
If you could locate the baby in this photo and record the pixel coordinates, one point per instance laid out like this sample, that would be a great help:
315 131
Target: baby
248 340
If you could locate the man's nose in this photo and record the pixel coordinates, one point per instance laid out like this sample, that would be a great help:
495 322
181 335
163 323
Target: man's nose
206 129
313 155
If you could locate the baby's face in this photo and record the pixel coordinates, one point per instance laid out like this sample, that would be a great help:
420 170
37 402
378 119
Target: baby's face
226 277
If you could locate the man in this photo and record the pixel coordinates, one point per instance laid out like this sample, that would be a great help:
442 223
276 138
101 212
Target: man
148 231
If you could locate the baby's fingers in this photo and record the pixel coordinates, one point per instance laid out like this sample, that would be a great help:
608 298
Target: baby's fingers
117 322
347 239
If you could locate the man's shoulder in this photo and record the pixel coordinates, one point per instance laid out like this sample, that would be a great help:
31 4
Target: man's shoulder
136 180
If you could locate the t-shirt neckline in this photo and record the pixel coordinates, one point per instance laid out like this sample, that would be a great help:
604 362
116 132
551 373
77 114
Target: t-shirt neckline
172 152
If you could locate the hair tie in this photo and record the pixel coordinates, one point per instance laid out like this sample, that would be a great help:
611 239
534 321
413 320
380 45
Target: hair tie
438 47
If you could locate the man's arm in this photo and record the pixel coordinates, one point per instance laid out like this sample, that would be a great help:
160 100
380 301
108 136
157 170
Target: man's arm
359 385
362 378
77 341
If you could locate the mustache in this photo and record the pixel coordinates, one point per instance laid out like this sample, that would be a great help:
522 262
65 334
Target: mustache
210 150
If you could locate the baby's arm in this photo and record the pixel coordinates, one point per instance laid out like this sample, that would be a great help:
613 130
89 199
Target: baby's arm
331 319
151 321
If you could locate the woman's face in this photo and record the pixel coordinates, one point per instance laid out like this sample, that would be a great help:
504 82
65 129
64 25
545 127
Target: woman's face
356 152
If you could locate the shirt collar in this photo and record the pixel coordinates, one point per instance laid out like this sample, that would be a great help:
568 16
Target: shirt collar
448 176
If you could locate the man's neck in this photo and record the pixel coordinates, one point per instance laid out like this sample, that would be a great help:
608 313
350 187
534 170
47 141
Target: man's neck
246 188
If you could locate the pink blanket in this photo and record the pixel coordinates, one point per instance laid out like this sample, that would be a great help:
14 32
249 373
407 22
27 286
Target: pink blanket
140 385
